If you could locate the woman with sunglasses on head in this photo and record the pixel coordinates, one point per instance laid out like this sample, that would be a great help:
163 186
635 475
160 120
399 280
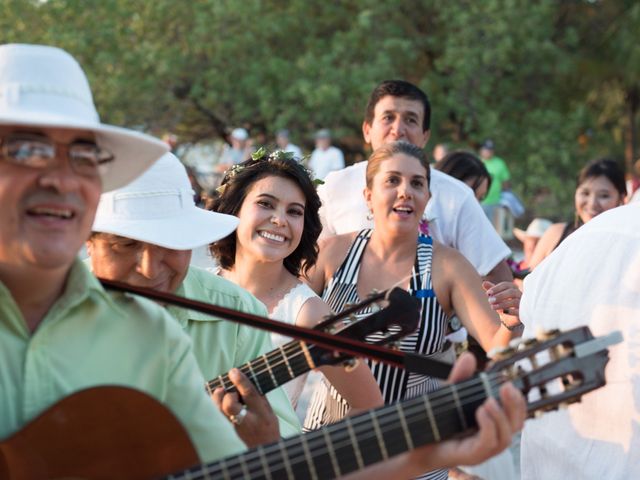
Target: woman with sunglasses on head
394 253
274 244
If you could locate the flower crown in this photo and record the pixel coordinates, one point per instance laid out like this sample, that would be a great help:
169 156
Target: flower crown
261 155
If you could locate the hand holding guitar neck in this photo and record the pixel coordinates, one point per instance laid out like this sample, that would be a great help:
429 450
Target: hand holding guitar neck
253 418
271 370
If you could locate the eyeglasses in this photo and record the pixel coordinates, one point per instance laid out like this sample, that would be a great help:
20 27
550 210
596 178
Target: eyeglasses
38 151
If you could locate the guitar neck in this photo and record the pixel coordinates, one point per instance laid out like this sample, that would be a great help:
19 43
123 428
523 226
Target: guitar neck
363 440
272 369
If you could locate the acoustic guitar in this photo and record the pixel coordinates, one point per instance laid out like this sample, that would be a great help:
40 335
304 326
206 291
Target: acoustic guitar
112 432
398 319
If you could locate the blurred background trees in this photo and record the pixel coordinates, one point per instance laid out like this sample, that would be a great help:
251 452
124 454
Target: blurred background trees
554 84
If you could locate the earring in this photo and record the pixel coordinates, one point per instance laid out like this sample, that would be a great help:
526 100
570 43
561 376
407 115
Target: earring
370 215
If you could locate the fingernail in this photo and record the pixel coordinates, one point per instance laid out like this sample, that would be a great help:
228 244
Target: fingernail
492 299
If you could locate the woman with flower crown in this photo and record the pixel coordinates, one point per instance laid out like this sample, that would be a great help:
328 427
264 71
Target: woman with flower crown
275 243
395 253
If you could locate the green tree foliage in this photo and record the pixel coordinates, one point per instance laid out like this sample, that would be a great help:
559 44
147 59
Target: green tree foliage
554 84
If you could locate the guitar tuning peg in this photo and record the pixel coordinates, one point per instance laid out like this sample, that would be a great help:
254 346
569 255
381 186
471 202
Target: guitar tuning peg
543 335
351 364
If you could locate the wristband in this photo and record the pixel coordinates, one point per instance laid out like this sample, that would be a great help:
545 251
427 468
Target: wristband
511 328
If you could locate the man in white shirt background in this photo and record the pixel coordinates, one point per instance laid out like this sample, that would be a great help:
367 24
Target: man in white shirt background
398 110
284 143
325 158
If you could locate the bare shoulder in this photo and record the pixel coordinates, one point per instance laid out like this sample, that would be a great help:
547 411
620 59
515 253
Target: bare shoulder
547 243
554 231
312 312
447 259
334 249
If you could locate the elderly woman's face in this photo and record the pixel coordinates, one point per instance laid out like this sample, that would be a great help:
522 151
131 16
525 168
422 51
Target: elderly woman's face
399 193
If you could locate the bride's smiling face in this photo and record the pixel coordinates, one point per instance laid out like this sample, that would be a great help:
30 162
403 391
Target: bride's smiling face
271 220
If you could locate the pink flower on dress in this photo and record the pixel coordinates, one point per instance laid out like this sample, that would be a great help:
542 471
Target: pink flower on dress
424 226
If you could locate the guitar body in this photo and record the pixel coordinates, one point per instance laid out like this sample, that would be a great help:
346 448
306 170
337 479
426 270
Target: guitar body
99 433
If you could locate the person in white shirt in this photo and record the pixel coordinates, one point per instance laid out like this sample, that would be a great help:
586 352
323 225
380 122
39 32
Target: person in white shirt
592 279
398 110
325 158
284 144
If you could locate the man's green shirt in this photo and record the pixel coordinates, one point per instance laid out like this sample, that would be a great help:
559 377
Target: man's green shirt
89 338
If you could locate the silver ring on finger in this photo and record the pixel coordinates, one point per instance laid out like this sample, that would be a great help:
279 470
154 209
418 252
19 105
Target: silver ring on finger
238 417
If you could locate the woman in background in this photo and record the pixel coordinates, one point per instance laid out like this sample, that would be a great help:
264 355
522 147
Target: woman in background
600 187
468 168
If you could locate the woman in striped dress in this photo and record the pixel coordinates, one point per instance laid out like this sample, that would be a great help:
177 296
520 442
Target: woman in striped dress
394 253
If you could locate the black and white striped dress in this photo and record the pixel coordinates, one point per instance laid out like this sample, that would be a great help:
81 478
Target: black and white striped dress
327 406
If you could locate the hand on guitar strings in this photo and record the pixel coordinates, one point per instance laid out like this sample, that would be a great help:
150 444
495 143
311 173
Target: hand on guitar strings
254 421
496 426
497 423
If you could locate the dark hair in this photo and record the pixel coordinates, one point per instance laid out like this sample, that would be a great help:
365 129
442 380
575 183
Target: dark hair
389 150
464 166
398 88
604 167
233 191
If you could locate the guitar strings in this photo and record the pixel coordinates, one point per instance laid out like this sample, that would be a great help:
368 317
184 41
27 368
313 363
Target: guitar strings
274 354
292 352
338 442
469 392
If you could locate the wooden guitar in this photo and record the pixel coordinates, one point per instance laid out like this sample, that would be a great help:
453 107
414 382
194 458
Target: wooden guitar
111 432
398 319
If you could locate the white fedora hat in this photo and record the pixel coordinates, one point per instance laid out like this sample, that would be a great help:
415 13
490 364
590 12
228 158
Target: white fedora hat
158 208
45 87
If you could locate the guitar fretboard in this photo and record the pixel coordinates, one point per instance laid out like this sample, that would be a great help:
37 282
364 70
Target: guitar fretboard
363 440
273 369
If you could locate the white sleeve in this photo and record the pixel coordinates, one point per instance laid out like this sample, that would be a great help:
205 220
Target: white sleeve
327 228
338 160
476 238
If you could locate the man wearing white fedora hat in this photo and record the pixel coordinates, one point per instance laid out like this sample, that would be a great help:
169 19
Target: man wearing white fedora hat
143 236
60 331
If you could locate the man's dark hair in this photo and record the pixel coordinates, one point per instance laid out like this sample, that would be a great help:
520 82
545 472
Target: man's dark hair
398 88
